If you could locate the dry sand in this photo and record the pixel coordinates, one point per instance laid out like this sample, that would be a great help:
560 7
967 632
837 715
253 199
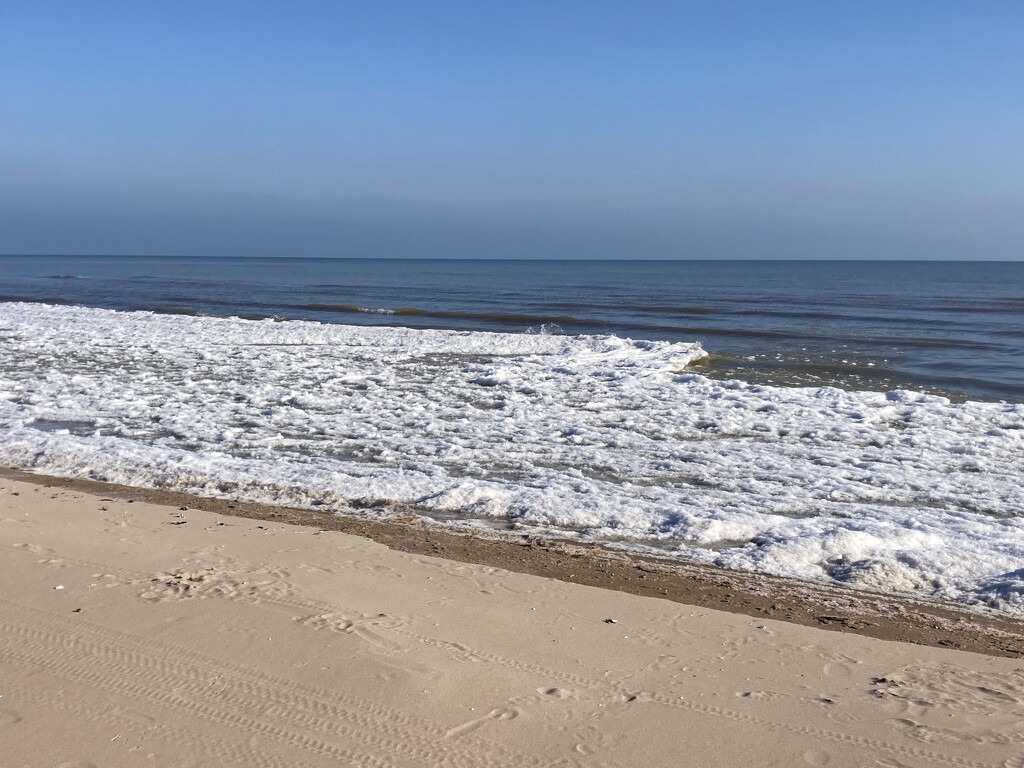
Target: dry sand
135 633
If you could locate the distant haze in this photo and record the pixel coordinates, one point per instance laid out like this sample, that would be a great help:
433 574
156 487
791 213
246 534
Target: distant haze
873 130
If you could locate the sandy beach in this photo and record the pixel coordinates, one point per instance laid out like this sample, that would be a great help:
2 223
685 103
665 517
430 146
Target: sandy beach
141 633
511 385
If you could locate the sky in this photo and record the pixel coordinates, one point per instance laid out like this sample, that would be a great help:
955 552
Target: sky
555 129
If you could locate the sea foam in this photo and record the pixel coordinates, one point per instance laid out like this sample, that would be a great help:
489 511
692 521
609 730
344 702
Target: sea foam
588 437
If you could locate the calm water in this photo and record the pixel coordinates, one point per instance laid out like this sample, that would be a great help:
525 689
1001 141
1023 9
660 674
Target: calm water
956 328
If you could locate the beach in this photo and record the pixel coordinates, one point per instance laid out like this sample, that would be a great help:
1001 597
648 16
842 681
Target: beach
277 542
478 385
603 440
165 634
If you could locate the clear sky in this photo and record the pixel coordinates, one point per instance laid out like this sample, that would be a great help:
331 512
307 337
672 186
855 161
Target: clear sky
597 129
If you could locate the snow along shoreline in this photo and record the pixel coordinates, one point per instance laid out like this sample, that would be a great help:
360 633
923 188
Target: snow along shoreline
592 438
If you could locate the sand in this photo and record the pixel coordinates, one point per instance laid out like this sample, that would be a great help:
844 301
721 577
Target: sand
137 633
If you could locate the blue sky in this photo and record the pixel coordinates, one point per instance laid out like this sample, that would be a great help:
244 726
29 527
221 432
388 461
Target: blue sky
528 129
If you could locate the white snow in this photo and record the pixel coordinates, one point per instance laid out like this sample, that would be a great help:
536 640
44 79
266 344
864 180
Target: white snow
586 437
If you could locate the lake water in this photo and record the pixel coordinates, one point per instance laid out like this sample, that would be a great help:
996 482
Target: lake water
955 328
858 424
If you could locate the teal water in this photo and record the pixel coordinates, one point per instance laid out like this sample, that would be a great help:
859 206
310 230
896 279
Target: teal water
955 328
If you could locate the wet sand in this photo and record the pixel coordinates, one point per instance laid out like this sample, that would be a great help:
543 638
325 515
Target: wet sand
142 627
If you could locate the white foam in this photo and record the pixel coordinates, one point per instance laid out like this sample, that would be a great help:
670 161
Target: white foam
592 437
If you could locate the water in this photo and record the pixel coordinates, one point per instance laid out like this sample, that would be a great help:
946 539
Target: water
585 409
951 328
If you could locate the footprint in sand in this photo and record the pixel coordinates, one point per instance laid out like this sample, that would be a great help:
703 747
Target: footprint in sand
213 582
501 713
762 695
367 628
814 757
556 693
9 717
837 669
956 690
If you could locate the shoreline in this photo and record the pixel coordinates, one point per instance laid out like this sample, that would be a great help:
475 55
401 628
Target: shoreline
809 604
572 437
174 636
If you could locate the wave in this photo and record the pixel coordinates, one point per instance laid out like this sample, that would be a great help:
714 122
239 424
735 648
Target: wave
661 309
30 300
785 313
506 318
174 309
529 319
348 308
995 308
520 321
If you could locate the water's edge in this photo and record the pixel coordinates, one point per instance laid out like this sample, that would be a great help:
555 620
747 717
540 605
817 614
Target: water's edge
878 615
